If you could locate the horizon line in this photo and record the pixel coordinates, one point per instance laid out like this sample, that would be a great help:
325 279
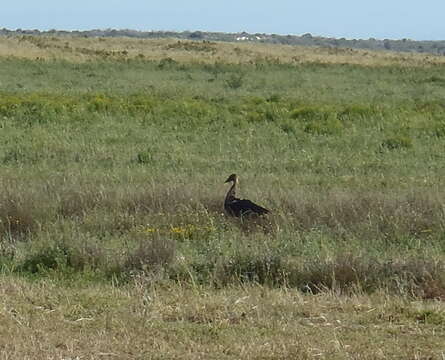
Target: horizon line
210 31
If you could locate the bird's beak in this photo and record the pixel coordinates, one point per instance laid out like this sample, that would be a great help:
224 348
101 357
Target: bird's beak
228 180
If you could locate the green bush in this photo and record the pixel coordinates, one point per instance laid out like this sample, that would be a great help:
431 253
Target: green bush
145 157
354 112
329 126
397 142
50 257
166 63
235 81
307 113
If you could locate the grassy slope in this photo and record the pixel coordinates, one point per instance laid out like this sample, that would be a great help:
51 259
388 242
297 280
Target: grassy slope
112 167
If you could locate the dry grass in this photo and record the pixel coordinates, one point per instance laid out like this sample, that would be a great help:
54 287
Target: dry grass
151 255
83 49
42 320
366 213
369 214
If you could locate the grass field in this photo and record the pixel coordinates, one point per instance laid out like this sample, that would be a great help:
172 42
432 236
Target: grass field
113 154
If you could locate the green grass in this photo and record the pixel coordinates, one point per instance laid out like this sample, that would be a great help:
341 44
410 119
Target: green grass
112 172
331 157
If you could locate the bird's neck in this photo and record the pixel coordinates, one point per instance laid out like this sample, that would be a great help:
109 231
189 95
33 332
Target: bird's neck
231 193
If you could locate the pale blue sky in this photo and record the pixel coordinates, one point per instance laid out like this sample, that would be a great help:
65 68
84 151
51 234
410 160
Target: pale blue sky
393 19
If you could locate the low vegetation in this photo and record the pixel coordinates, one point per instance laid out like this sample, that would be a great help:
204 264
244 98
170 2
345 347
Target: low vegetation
407 45
111 219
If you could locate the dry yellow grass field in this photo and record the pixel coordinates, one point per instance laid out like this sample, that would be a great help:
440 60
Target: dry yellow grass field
42 320
83 49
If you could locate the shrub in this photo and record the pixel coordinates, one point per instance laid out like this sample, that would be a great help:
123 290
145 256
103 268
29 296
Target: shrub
288 128
328 125
353 112
274 98
306 113
235 81
436 79
203 46
397 142
167 62
48 257
144 157
438 129
254 117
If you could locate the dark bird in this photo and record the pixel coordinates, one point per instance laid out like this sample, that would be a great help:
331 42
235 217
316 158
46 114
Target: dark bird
240 207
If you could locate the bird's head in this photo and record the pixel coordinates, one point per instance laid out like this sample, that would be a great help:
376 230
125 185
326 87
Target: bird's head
232 177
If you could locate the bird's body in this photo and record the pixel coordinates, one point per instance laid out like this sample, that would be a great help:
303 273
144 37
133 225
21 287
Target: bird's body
240 207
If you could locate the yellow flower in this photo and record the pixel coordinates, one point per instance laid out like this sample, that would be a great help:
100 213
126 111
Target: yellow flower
147 229
178 230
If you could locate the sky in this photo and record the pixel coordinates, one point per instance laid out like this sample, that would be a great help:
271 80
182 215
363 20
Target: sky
352 19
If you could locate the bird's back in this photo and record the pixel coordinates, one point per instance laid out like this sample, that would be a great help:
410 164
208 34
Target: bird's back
242 207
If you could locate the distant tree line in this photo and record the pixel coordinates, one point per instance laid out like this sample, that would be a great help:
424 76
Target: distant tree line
407 45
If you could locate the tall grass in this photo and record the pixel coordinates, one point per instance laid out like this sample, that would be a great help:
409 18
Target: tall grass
114 168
